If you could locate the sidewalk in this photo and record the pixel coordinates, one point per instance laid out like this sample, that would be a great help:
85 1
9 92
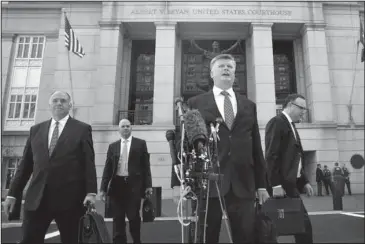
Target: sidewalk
352 203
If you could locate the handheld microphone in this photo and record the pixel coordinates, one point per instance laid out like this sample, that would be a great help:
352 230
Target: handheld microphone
218 122
170 137
196 130
178 102
214 132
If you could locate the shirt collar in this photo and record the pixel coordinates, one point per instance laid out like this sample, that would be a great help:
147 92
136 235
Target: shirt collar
217 91
61 121
129 139
287 117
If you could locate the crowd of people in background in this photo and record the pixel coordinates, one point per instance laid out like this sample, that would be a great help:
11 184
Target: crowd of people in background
324 177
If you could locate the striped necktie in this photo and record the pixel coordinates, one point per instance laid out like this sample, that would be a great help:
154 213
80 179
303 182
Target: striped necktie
228 110
53 139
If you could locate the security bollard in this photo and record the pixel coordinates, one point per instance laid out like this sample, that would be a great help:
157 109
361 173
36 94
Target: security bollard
338 191
156 200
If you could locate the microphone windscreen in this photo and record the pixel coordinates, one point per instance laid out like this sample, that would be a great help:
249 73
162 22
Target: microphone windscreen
195 126
170 135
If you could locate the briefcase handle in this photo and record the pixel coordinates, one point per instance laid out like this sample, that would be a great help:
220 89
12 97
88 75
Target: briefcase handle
90 207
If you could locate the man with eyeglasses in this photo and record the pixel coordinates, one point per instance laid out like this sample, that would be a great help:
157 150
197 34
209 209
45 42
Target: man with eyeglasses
285 158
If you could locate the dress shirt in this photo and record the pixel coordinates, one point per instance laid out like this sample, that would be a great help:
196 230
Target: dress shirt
129 140
295 136
219 100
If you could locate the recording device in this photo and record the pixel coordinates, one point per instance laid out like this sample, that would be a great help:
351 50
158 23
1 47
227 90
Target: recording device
218 122
196 130
195 168
178 102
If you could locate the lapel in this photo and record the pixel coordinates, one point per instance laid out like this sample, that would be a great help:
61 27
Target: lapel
297 142
45 131
117 154
66 132
240 108
133 142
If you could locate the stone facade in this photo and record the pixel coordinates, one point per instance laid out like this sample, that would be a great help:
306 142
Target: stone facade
324 37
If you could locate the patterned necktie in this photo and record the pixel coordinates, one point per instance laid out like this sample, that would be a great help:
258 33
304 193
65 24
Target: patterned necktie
228 110
54 139
125 157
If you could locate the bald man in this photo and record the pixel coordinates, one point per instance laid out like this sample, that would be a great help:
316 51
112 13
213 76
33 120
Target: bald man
126 179
59 154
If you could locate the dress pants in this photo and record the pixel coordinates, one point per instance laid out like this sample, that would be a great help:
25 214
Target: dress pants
241 214
128 204
35 223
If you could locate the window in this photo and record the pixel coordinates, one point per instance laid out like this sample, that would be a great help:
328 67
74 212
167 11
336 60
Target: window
11 165
25 79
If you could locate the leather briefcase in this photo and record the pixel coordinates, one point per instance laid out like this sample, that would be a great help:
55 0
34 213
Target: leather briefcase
92 228
148 211
265 231
287 215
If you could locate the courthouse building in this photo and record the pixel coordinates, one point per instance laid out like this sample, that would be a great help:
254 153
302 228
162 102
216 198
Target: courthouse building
140 56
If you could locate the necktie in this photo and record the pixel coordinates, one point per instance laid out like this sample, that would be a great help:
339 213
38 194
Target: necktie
228 110
125 157
54 139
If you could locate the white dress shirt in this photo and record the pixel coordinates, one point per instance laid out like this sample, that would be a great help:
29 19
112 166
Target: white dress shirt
123 169
295 136
61 126
219 100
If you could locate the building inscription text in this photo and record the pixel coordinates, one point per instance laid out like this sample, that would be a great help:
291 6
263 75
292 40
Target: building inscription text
209 11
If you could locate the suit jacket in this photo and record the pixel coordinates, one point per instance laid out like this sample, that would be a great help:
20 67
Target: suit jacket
62 179
283 153
319 175
139 170
239 149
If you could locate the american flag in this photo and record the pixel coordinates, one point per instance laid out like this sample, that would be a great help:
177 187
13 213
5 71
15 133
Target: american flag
71 41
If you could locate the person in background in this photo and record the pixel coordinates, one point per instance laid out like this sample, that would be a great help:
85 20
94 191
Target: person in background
319 180
59 153
126 180
327 179
346 174
285 158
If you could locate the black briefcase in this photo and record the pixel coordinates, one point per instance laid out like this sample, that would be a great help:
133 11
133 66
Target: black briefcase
92 228
265 231
148 211
287 215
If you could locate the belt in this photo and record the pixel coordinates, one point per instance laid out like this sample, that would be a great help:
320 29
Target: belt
124 178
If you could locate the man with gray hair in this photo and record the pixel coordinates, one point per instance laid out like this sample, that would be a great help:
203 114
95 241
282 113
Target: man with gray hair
240 154
59 153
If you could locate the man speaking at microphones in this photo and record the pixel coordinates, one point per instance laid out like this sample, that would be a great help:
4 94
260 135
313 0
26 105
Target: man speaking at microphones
239 152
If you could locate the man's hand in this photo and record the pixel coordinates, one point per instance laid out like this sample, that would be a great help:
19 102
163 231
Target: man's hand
9 205
262 195
176 194
308 189
148 192
278 191
91 198
102 196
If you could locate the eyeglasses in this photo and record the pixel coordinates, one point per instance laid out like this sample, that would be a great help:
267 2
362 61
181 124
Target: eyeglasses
302 108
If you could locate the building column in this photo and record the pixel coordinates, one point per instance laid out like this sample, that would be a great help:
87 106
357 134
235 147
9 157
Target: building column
164 77
109 68
318 85
261 83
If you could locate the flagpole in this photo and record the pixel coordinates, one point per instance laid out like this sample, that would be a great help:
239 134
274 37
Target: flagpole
71 84
70 75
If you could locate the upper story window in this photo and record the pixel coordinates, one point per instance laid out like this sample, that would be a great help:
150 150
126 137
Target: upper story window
24 80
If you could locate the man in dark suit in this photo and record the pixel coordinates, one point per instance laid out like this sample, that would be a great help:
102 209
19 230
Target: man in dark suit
240 153
285 157
126 179
319 179
59 154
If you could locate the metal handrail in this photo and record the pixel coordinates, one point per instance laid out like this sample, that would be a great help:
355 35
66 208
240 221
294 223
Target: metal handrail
136 117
